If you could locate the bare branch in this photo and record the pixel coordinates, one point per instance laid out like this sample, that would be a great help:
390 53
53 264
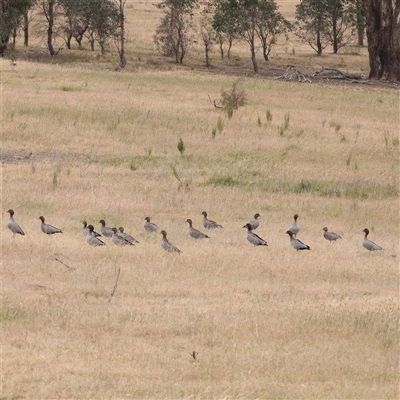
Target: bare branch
116 283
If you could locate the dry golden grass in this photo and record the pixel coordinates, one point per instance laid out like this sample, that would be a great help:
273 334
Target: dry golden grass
264 322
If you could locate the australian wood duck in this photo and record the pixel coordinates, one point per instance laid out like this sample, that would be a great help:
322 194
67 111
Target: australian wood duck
167 245
150 226
128 237
255 223
12 225
119 239
194 233
294 228
85 230
331 236
48 229
105 230
208 223
296 243
253 238
369 244
92 239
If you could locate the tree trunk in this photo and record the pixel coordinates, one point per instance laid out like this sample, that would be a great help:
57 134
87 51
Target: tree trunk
122 60
360 35
319 44
394 69
230 42
360 23
26 29
14 36
50 19
383 33
253 56
220 42
335 37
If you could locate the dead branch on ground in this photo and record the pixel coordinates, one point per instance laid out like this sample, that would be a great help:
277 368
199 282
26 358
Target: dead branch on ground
216 105
334 73
292 74
63 263
116 283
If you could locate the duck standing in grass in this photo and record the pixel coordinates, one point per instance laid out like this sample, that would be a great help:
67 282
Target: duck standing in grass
253 238
13 226
294 228
150 226
92 239
126 236
85 230
208 223
119 239
296 243
105 230
194 233
331 236
369 244
255 223
167 245
48 229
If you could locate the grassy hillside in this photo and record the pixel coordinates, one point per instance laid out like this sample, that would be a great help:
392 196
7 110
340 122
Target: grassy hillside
81 141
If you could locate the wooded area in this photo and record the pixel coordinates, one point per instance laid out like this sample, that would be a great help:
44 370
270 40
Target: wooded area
258 23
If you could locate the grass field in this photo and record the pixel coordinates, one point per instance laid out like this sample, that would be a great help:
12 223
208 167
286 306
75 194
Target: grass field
264 322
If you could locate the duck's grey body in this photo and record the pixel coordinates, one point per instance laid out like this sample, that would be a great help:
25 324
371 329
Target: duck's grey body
253 238
13 226
167 245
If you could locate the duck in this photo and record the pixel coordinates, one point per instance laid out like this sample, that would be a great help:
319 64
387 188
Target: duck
48 229
150 226
13 226
105 230
369 244
255 223
194 233
85 230
167 245
296 243
331 236
253 238
91 238
127 236
119 239
294 228
208 223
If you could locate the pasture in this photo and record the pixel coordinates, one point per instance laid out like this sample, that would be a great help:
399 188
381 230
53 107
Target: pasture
81 141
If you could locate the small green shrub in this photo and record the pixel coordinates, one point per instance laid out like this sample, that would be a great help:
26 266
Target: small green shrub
287 119
220 124
269 116
233 97
181 146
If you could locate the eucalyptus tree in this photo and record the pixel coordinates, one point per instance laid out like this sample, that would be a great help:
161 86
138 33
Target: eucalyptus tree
323 22
208 35
270 24
51 9
11 13
249 20
173 34
224 24
312 24
383 34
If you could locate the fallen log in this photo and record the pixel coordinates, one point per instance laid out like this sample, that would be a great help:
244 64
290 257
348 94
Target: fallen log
334 73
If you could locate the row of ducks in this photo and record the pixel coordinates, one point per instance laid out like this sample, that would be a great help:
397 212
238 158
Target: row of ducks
121 238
